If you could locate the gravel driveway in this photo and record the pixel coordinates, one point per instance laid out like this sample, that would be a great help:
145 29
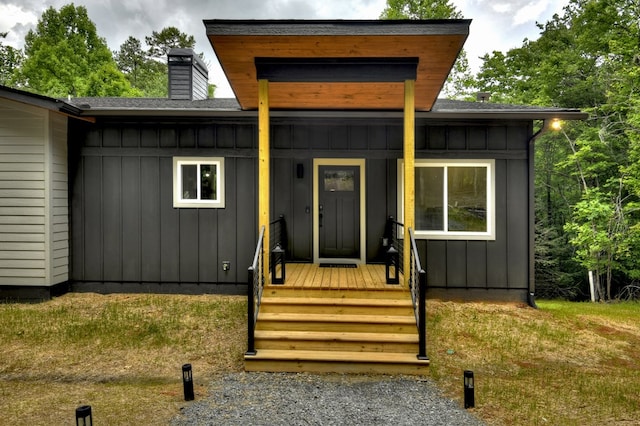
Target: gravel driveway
306 399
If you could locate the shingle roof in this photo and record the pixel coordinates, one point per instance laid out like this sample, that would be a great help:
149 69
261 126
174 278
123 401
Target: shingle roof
443 108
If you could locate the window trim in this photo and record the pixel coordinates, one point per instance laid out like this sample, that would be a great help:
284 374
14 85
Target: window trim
490 234
179 202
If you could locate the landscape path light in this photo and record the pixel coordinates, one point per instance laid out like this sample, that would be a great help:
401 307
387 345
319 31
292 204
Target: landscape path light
469 397
83 416
187 382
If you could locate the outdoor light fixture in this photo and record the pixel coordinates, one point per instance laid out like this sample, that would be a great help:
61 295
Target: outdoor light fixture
556 124
278 258
391 266
469 398
187 381
83 416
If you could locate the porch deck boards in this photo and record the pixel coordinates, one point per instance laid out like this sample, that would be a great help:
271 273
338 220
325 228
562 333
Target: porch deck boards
312 276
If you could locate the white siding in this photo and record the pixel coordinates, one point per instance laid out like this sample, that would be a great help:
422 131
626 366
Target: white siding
58 201
33 195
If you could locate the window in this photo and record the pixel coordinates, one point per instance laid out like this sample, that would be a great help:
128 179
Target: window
198 182
453 200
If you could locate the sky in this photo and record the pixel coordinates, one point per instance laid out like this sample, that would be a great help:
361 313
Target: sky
496 24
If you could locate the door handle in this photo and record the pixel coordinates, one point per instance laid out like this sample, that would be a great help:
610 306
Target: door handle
320 214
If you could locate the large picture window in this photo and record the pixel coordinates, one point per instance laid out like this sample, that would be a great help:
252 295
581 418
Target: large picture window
454 200
198 182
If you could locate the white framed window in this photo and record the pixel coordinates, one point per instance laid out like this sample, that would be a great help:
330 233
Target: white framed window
198 182
453 199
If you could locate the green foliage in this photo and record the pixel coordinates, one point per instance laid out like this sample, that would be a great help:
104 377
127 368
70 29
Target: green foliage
10 62
65 56
587 177
460 83
420 9
170 37
146 70
146 74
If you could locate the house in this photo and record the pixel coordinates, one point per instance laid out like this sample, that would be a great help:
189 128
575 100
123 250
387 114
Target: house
335 129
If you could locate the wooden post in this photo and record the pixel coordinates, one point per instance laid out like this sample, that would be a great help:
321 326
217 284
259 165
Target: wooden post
263 168
409 172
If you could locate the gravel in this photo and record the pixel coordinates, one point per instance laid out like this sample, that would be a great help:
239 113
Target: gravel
306 399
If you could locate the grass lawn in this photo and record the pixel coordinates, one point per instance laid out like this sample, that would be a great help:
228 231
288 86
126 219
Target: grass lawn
564 364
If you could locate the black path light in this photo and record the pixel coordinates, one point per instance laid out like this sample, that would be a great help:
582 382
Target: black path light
278 258
391 266
83 416
187 381
469 397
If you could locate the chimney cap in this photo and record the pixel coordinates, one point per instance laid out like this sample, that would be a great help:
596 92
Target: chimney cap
181 53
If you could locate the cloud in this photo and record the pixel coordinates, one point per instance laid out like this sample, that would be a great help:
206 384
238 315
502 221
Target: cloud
16 21
530 12
497 24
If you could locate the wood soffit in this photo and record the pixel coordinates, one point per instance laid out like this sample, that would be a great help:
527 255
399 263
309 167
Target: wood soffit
435 44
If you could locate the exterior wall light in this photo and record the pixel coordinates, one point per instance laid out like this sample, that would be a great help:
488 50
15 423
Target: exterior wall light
556 124
278 258
469 397
187 382
83 416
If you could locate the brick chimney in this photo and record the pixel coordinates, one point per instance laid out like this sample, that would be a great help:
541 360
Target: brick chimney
188 76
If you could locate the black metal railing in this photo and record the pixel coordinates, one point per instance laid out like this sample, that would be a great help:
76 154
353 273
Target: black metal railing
418 287
278 233
254 292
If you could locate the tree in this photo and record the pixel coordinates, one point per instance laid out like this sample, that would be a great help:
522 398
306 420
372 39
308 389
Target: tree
146 74
460 83
147 69
587 177
170 37
65 55
10 62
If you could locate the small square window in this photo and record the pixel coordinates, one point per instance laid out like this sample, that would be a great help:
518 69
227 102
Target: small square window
198 182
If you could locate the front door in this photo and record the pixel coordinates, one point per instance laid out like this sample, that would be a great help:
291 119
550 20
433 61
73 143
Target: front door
339 211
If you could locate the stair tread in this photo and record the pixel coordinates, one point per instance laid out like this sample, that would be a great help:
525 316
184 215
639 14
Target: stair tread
336 336
338 301
305 317
337 356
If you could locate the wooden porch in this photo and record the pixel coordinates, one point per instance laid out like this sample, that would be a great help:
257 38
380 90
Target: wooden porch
315 276
336 319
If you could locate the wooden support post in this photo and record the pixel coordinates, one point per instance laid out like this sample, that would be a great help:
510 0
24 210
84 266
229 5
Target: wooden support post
263 168
409 172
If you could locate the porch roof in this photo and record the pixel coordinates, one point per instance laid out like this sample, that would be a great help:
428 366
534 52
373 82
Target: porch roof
433 44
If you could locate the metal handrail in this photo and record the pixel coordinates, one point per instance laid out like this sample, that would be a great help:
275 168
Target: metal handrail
254 292
418 287
278 233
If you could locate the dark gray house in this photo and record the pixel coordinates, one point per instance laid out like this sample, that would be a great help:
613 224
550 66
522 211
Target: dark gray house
336 127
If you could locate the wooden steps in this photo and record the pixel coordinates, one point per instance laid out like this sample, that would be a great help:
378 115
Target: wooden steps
344 331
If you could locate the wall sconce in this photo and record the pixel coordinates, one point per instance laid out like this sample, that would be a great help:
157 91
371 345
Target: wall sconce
299 170
278 258
469 398
83 416
391 266
187 382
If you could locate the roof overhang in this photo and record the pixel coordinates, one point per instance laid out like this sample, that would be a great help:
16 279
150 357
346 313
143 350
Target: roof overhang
337 65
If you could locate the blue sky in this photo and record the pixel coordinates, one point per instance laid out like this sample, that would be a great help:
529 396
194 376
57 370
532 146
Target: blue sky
497 24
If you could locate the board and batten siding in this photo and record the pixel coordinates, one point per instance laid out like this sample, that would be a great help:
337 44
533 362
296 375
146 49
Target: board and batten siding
126 234
34 218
